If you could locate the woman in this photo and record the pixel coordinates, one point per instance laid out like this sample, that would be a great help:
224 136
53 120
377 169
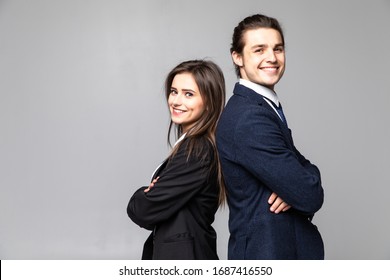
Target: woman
180 203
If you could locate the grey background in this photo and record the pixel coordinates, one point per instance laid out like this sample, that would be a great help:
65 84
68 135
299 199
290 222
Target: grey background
83 120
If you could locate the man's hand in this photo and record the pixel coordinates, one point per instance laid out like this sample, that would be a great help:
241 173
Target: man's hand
277 204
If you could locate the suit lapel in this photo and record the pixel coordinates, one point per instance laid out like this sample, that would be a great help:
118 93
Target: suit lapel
256 98
159 169
253 96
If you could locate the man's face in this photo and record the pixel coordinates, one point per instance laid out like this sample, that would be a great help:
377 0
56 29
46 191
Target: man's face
262 60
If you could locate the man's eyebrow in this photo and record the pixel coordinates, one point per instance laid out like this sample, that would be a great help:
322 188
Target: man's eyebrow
266 45
258 46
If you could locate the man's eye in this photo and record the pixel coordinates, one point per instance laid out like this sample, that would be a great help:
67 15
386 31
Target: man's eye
279 50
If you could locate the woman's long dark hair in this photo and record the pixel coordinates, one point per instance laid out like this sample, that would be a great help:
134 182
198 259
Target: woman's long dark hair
211 83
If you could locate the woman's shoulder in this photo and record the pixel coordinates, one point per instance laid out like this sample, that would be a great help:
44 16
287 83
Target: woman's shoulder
197 147
202 143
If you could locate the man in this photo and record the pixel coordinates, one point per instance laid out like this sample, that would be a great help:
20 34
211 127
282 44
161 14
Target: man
272 190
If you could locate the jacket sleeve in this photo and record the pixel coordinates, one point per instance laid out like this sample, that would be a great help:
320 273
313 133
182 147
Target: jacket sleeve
180 180
307 164
267 155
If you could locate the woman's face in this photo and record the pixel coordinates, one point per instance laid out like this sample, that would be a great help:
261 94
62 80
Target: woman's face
185 101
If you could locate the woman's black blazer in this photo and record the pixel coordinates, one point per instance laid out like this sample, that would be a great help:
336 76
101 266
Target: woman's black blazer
180 208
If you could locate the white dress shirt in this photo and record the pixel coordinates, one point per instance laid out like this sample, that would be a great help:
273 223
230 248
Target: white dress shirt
266 93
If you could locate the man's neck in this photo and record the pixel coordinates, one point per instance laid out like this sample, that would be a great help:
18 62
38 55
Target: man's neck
262 90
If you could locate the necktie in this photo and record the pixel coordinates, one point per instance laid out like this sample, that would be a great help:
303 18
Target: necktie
279 110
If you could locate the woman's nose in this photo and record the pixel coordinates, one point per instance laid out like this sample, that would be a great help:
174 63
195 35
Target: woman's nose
177 99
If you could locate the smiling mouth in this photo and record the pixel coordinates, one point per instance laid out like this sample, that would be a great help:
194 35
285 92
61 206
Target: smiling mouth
271 69
178 111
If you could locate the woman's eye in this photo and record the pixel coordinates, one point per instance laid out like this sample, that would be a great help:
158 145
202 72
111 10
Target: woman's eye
173 92
189 94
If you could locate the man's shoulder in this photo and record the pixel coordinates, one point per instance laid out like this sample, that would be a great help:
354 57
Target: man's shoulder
241 114
241 105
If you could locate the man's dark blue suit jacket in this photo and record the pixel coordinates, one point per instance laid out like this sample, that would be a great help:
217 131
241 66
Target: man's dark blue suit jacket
258 157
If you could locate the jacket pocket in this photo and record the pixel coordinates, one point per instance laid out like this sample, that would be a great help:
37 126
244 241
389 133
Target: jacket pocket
177 247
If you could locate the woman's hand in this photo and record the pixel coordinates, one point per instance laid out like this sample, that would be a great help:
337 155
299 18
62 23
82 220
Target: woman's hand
151 185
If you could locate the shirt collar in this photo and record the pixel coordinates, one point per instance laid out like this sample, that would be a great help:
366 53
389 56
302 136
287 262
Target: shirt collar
262 90
180 139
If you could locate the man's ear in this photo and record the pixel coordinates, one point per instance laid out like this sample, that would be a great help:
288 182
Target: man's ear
237 59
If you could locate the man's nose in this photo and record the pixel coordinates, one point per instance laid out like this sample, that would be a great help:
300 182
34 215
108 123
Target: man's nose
271 55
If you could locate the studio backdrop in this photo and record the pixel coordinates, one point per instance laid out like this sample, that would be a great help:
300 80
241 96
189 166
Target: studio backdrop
83 118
